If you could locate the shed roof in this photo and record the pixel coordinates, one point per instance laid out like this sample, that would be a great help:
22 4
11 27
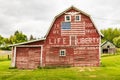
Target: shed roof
106 42
27 42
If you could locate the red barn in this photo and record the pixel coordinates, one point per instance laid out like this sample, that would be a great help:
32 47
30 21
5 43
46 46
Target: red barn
72 40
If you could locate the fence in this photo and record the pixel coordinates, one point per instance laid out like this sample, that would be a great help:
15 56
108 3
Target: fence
5 55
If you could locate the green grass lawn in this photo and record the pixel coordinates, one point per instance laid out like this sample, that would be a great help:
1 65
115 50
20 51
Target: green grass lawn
109 70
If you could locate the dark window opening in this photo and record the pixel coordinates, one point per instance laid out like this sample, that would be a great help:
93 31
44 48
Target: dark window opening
105 50
108 46
77 18
67 18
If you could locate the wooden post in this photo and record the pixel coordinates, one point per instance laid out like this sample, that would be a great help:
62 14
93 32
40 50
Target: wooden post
41 56
8 57
14 57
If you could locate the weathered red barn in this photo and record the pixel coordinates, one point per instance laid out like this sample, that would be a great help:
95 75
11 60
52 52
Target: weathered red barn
72 40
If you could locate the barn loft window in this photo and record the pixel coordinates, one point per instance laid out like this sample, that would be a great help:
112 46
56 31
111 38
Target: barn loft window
62 52
108 46
67 18
77 17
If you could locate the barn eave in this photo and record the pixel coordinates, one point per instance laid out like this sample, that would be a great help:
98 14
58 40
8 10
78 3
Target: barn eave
42 39
105 43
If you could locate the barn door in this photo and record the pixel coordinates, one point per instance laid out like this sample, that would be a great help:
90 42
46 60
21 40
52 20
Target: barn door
72 40
34 57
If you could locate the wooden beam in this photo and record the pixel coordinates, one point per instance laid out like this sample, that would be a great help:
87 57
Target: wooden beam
29 46
14 57
41 56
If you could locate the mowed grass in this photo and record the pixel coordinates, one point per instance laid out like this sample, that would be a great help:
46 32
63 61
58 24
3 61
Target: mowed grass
109 70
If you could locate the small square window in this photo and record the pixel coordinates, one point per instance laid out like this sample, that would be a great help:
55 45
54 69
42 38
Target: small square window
77 18
62 52
67 18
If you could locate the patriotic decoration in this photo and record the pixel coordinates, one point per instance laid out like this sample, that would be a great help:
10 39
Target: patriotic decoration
72 28
66 25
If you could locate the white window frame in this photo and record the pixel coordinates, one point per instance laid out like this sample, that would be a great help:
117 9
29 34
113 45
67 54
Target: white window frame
62 50
66 18
79 18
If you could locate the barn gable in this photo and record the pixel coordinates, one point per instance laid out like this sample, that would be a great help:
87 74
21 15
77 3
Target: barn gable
106 44
73 10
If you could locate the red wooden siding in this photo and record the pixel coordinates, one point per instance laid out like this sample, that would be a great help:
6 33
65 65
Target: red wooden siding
28 58
54 59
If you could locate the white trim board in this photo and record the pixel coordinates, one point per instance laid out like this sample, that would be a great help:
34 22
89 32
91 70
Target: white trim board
29 46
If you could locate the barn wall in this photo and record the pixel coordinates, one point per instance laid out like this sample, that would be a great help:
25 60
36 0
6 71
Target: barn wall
75 56
54 59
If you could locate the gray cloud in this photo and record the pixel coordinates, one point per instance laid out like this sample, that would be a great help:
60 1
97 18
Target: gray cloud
35 16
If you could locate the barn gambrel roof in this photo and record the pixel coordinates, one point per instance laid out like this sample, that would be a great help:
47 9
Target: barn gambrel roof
72 7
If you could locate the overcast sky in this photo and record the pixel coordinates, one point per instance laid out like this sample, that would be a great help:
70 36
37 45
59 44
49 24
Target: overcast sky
35 16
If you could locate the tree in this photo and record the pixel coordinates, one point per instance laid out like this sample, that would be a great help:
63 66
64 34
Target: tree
110 34
116 41
16 32
31 37
18 37
1 40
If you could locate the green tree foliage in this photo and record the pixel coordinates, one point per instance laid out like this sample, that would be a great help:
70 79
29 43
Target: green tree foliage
1 40
116 41
18 37
110 34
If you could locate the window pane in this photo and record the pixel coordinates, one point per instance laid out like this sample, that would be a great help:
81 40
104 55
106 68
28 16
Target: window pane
62 53
67 17
77 18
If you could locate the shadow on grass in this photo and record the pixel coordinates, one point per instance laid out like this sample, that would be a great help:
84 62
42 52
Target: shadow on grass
54 67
